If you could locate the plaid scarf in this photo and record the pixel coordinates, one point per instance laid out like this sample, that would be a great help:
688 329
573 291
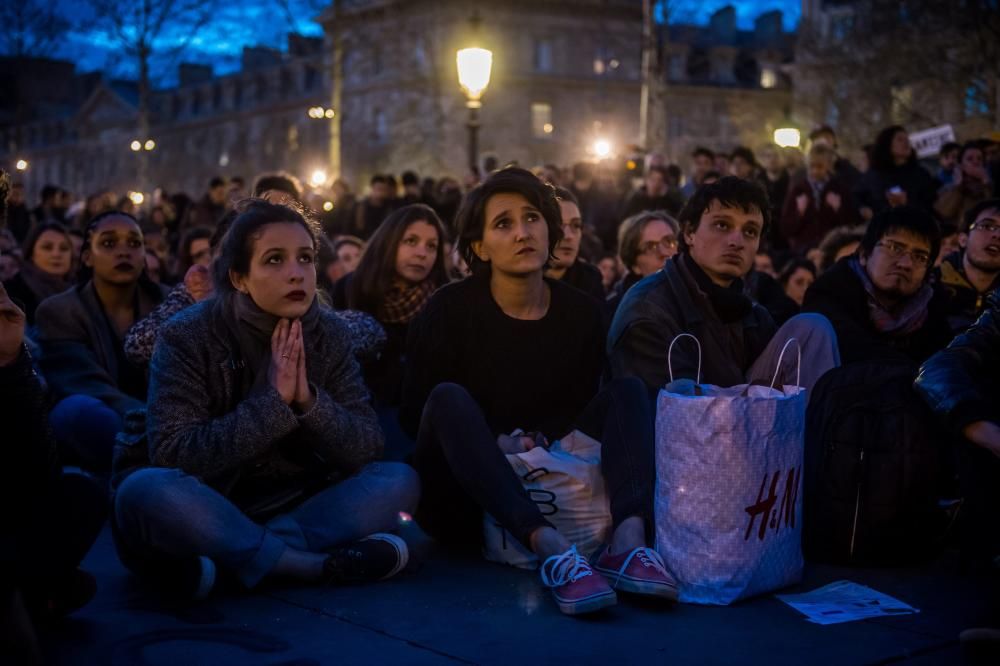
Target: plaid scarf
907 318
403 303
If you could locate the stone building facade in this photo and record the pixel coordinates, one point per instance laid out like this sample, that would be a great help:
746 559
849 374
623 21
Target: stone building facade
566 73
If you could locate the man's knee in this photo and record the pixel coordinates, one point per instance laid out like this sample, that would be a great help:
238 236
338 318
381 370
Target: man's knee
810 323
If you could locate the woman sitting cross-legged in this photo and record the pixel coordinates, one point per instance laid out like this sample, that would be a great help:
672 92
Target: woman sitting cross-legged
262 443
509 349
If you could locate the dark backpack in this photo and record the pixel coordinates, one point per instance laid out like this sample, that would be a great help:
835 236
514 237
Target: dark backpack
873 459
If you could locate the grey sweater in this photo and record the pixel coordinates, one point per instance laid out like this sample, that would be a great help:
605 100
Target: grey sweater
197 420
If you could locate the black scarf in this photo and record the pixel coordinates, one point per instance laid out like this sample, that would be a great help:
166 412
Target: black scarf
729 303
251 329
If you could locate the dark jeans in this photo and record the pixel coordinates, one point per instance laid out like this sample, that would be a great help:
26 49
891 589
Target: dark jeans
85 429
463 472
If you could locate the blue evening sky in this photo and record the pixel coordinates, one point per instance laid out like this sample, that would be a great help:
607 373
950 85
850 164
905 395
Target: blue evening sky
242 23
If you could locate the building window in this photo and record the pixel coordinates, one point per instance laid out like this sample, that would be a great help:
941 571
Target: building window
376 60
543 55
599 66
195 103
381 128
541 120
678 67
217 97
237 95
675 127
312 78
975 102
768 78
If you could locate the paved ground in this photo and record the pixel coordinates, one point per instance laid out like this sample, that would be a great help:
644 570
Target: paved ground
462 610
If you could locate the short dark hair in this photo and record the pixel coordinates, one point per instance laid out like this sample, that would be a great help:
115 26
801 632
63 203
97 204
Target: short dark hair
379 178
279 181
909 218
217 181
821 130
948 147
660 169
731 192
341 241
744 154
184 258
48 192
793 265
974 212
471 217
237 245
835 241
583 171
562 194
967 146
702 151
410 178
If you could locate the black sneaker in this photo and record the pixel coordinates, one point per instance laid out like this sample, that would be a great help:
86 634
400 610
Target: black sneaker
376 557
183 579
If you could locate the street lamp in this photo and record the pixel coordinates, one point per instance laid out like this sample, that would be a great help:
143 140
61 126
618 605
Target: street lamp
136 146
149 145
21 165
787 137
474 67
602 148
318 178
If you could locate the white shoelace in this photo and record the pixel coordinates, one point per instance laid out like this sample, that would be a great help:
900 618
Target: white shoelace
648 557
565 568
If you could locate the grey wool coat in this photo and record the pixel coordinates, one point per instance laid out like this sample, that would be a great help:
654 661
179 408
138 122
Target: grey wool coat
198 421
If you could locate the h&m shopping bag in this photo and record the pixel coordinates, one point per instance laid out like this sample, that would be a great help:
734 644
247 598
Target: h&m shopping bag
728 499
566 483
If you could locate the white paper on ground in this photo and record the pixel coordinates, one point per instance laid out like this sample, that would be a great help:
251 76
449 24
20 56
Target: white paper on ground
845 601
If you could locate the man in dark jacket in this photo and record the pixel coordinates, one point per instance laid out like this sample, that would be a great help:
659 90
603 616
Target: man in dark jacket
211 207
881 301
962 385
969 275
700 291
816 204
655 194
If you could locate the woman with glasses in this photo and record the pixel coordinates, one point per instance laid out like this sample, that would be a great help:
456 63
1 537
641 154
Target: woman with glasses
645 242
566 264
881 301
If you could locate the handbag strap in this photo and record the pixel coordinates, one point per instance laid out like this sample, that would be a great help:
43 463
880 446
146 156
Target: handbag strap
781 357
670 351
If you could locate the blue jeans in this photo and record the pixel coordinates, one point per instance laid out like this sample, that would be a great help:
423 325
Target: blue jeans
85 428
164 511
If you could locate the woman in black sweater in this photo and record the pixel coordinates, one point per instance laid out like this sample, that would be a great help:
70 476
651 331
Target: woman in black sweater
508 349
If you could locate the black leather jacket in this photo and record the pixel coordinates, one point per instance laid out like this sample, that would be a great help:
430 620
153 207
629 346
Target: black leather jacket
962 382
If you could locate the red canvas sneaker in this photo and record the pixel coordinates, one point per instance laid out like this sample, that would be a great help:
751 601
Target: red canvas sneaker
575 587
640 571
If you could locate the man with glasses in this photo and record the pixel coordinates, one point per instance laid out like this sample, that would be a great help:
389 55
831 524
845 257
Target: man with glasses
701 291
970 274
881 300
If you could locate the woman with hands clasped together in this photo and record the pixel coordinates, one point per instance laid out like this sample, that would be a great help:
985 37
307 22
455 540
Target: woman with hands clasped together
262 442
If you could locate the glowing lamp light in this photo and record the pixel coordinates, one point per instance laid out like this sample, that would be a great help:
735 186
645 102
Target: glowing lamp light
136 197
787 137
329 113
149 145
318 177
328 206
602 148
548 128
21 165
136 145
474 67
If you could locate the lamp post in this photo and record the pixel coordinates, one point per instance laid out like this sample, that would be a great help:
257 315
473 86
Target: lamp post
474 66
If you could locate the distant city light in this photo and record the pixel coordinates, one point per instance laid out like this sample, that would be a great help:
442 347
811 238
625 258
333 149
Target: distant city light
787 137
318 177
329 113
548 128
150 144
21 165
602 148
136 197
136 145
328 206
